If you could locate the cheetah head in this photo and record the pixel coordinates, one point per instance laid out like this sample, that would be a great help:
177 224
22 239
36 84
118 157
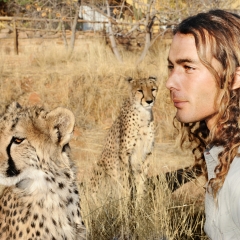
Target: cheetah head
31 140
143 91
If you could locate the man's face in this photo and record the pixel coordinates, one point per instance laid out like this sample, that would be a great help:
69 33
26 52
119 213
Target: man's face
192 87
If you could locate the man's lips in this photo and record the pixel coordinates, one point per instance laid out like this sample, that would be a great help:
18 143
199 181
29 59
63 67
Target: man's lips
179 103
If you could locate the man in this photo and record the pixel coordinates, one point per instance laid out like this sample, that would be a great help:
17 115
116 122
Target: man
204 83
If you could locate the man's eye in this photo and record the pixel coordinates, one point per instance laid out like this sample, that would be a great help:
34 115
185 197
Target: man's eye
170 67
17 140
189 68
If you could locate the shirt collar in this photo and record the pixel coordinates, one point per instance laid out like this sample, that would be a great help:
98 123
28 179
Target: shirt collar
211 158
214 151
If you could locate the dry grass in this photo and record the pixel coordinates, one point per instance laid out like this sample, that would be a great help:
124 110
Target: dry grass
92 84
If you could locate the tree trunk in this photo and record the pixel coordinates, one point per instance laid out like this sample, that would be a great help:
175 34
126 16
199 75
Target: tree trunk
64 37
148 23
111 35
74 26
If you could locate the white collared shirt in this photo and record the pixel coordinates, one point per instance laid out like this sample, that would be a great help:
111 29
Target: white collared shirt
223 213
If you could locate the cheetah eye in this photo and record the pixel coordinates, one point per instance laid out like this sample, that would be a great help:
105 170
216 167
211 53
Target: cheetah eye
154 89
141 91
17 140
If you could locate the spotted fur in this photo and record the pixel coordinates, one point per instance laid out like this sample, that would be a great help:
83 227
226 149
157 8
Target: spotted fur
130 139
41 200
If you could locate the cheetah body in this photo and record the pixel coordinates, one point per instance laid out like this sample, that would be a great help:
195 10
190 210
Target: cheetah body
131 137
41 200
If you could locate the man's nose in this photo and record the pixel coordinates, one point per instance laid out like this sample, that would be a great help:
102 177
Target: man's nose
173 79
170 82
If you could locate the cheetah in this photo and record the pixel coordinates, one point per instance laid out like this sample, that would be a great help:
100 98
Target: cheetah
129 141
41 199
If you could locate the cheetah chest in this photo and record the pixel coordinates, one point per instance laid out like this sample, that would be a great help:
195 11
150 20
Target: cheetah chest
50 214
140 136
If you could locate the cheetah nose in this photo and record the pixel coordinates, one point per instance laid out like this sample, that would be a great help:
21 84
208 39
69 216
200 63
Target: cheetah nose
149 102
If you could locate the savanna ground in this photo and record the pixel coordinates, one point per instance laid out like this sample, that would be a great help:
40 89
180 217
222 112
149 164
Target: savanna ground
92 84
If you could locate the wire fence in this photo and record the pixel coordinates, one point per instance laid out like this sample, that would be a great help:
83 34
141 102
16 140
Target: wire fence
122 29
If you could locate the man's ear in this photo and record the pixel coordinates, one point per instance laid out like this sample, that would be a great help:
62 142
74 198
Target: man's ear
60 124
236 81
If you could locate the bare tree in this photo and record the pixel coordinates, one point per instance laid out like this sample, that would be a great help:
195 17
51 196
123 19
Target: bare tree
111 35
150 16
125 21
153 15
73 28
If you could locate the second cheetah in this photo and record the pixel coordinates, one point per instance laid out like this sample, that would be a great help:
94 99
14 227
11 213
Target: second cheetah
130 139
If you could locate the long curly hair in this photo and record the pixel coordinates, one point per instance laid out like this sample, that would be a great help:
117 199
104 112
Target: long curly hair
221 31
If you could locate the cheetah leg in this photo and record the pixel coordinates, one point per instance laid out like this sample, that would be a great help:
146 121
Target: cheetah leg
139 173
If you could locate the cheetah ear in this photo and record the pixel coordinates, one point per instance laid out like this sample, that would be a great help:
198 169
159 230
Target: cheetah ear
60 123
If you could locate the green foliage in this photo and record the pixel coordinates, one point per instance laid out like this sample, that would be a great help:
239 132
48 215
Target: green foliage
137 12
20 2
39 8
24 2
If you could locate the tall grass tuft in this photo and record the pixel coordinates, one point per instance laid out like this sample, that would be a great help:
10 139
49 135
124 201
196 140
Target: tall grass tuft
156 216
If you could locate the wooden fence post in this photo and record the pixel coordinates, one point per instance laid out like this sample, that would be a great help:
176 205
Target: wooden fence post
15 37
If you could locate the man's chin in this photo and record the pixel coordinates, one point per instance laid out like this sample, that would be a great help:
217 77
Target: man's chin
183 119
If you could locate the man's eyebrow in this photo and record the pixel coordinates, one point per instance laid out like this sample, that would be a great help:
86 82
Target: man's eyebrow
169 61
183 60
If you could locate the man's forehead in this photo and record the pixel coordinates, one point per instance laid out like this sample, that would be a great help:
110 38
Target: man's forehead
183 46
183 50
180 37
